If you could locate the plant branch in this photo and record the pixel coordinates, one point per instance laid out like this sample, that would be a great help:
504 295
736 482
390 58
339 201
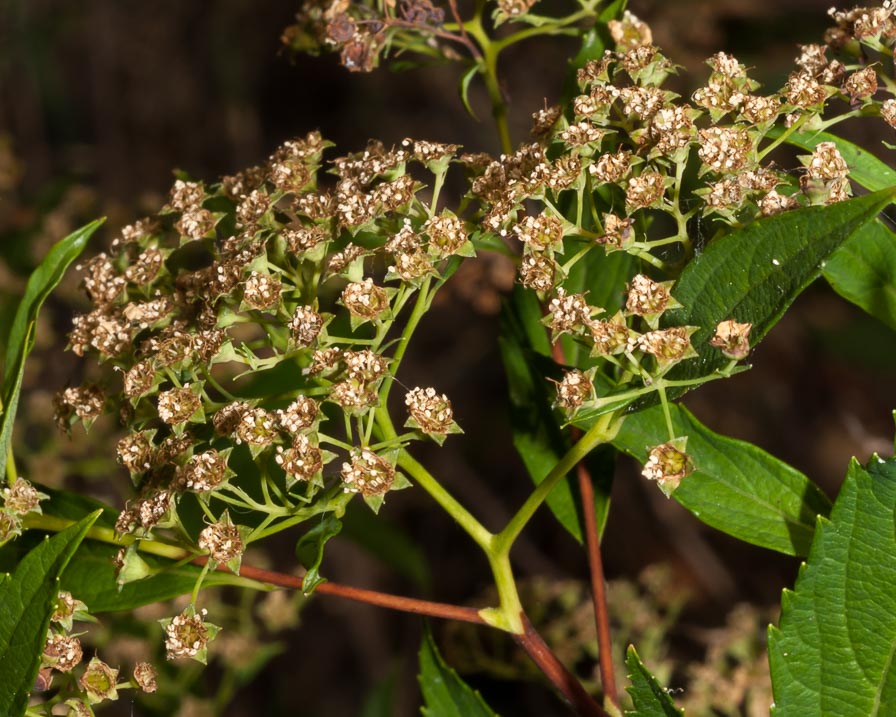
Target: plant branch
556 672
598 587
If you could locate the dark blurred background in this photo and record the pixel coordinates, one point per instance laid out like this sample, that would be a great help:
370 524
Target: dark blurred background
101 100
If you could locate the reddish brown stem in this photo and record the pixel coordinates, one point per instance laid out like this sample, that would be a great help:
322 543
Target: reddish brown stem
371 597
556 672
598 587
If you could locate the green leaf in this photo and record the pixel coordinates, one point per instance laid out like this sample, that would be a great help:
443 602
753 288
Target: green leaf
387 542
833 653
42 281
754 274
464 89
27 599
736 487
594 42
536 436
648 696
310 549
863 270
444 693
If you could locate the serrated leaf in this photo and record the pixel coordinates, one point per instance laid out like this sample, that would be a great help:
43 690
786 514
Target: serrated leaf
833 653
736 487
536 435
42 281
310 549
27 598
863 270
755 273
444 693
648 696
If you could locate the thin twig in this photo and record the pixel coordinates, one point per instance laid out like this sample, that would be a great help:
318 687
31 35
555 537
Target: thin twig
371 597
556 672
598 587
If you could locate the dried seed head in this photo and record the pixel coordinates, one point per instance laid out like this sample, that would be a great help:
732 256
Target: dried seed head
305 326
645 190
86 402
256 427
145 677
203 472
188 635
98 681
10 526
222 540
262 291
647 297
431 411
185 195
367 474
725 149
138 379
515 7
610 337
178 405
727 194
802 90
22 498
668 346
252 207
573 390
228 418
642 102
611 167
775 203
299 416
720 95
544 120
538 272
668 465
365 300
733 339
446 233
759 110
618 232
324 361
153 509
888 112
826 163
62 653
812 59
539 233
304 239
672 129
630 31
861 84
195 223
568 312
582 133
302 461
134 452
145 267
101 281
727 65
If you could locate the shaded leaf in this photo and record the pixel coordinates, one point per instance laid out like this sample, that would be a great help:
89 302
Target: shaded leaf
42 281
736 487
310 549
444 693
833 653
648 696
464 89
27 599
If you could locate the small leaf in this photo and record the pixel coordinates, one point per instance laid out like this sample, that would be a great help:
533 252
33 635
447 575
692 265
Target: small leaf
736 487
42 281
444 693
310 549
648 696
833 652
27 598
464 89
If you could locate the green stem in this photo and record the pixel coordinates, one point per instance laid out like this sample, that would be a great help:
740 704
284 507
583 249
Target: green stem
601 432
424 298
489 70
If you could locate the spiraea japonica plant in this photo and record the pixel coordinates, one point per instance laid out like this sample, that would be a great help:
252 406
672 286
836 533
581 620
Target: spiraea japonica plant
251 335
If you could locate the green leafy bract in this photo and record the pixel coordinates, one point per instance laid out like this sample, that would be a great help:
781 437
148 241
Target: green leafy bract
42 281
736 487
648 696
27 599
833 653
444 693
310 549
